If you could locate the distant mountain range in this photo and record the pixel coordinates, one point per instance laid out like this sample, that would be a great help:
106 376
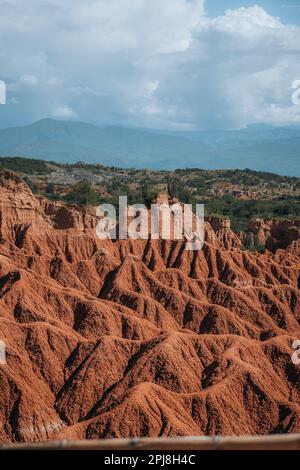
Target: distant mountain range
259 147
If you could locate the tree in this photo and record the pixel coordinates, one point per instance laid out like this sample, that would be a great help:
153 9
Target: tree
50 188
83 194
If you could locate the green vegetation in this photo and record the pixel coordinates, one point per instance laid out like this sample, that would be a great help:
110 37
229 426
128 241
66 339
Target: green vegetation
254 245
241 211
32 184
24 165
240 195
82 194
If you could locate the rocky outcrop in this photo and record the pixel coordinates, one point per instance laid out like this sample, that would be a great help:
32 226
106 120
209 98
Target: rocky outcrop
222 229
140 338
274 234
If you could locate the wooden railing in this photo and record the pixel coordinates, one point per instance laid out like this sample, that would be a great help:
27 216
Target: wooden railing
275 442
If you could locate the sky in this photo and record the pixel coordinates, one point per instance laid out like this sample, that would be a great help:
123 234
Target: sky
164 64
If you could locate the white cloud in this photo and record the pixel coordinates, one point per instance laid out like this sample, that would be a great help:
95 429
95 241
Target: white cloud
30 80
159 63
151 88
245 19
64 112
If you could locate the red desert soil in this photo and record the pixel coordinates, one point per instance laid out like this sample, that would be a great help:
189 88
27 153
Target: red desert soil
119 339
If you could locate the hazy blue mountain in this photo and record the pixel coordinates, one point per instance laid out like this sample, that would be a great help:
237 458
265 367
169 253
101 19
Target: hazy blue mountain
259 147
252 132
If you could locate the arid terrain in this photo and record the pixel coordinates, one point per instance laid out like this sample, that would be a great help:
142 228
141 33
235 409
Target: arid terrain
143 338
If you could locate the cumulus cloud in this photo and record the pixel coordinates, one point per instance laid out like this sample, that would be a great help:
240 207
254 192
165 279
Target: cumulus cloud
158 63
64 112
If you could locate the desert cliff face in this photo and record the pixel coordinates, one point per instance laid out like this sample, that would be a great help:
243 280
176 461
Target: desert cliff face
142 338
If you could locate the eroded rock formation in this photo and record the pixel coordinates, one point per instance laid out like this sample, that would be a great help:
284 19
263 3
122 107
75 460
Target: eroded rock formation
140 338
